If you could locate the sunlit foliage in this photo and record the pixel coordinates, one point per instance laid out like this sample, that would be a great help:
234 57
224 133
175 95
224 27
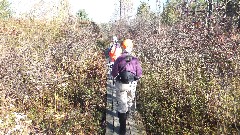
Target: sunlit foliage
190 82
52 76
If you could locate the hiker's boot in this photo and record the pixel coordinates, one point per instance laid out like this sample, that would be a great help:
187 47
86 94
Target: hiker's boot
122 121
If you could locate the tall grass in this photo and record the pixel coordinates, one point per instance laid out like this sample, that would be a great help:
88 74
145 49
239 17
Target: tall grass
190 82
52 78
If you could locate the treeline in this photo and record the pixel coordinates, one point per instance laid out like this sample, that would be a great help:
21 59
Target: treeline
210 13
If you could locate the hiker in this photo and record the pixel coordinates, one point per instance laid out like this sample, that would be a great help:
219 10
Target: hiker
127 71
115 51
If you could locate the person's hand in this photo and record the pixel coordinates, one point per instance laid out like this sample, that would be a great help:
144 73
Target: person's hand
136 78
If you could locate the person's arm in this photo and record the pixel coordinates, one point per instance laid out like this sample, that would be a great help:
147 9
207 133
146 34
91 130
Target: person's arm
115 69
138 69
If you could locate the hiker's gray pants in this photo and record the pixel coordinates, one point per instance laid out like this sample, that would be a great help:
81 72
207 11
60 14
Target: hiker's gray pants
125 94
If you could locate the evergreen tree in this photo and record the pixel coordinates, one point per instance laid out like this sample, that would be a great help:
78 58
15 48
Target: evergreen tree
82 15
5 11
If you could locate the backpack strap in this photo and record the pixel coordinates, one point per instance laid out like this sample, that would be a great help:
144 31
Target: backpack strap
125 76
128 59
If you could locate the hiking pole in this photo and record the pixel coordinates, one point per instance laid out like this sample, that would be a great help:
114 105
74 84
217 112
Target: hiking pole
114 78
135 102
135 98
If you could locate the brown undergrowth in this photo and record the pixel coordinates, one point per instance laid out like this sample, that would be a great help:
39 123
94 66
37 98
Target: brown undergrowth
52 78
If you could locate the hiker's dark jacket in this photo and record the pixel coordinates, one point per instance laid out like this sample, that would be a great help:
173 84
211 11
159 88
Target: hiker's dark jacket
133 66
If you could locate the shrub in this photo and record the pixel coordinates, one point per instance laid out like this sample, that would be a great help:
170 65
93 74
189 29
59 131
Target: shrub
190 77
190 83
53 73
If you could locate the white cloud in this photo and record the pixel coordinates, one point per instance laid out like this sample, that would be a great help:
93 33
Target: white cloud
97 10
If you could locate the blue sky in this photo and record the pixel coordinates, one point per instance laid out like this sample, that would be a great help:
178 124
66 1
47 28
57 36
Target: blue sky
97 10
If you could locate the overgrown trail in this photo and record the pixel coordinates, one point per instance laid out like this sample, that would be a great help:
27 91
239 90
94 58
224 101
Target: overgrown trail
134 123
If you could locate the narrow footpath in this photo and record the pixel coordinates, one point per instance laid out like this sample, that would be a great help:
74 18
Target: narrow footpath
134 124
